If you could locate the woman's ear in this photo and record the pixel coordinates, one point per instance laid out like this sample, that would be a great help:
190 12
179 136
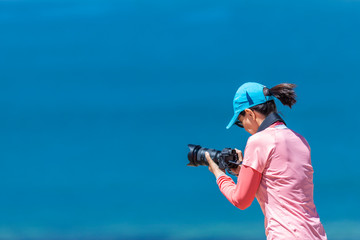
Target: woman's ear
250 113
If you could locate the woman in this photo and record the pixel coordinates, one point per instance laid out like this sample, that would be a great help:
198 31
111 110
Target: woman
276 167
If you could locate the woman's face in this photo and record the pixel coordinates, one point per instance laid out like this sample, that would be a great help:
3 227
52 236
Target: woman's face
249 121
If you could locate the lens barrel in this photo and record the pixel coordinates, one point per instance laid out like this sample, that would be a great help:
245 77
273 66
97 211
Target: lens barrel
197 157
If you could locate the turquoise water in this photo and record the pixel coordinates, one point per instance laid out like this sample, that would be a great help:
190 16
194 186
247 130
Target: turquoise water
99 100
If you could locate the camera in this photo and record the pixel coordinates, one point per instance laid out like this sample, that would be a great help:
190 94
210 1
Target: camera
225 159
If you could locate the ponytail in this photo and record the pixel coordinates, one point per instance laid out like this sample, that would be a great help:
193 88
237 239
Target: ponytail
284 92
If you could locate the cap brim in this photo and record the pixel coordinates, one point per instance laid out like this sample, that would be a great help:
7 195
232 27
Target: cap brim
232 120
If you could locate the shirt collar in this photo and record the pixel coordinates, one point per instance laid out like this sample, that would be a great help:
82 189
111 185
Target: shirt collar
269 120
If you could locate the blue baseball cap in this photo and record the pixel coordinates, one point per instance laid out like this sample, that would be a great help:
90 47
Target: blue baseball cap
248 95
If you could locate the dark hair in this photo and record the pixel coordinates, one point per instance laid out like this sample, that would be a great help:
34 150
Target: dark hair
284 92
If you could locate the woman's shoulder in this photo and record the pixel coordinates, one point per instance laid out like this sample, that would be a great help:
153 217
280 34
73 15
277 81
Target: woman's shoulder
266 137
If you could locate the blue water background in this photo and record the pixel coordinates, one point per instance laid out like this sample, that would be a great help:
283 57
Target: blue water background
99 100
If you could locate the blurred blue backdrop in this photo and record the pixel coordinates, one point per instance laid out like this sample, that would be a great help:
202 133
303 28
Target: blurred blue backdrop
99 100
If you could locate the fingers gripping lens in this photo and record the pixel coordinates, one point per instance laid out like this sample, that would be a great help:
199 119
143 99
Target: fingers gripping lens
225 159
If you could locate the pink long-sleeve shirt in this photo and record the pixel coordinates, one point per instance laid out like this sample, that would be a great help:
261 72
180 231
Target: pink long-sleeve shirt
277 170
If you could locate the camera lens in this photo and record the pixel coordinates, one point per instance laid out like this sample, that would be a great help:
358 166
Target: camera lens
197 157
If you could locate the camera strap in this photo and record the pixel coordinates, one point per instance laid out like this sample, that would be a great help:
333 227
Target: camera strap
270 120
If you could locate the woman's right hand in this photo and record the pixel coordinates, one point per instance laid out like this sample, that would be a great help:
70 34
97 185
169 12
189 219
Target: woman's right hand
240 156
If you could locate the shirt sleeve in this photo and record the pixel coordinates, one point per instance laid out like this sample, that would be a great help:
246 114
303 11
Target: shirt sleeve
243 193
258 151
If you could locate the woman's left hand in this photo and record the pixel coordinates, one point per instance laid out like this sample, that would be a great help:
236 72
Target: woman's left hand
213 167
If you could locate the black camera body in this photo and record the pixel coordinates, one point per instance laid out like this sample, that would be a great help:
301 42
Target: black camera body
225 159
